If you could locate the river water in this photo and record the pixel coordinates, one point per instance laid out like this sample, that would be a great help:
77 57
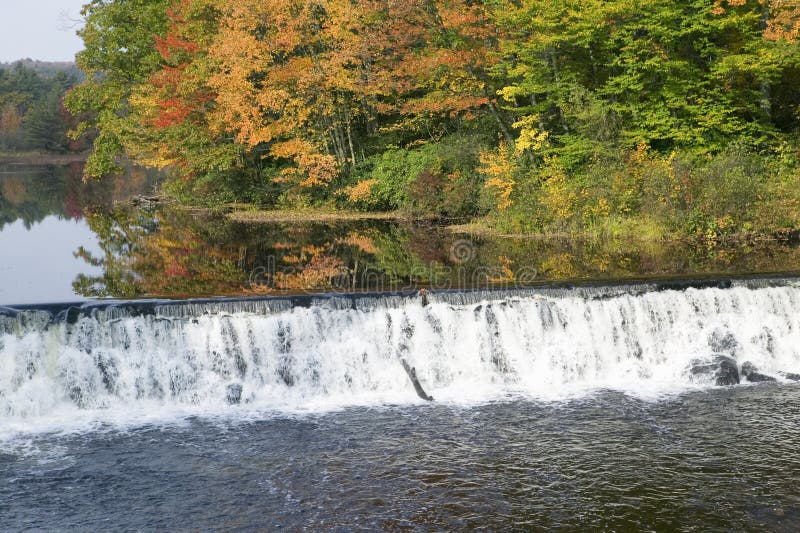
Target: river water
706 460
296 403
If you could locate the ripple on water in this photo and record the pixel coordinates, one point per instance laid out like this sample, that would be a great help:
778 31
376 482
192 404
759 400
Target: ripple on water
720 459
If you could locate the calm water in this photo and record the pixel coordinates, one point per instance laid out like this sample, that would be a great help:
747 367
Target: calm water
62 240
555 408
44 230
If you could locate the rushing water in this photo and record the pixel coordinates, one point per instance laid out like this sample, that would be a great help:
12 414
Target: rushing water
118 364
723 460
480 403
553 408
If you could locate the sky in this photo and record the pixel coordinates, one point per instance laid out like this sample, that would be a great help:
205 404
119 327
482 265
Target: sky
39 29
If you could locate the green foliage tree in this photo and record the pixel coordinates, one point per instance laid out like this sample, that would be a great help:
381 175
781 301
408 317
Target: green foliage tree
119 56
31 113
45 124
668 74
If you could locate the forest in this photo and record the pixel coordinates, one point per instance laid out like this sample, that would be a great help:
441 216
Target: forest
32 114
593 117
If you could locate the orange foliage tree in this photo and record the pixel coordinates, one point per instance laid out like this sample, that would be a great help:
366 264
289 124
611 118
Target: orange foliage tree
308 81
784 21
177 102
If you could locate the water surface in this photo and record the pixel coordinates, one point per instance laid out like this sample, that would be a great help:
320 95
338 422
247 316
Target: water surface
102 246
573 406
718 460
44 233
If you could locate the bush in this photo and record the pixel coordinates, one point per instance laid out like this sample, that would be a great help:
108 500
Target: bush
736 191
434 179
219 188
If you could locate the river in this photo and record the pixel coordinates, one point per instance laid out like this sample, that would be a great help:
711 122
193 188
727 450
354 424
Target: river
187 372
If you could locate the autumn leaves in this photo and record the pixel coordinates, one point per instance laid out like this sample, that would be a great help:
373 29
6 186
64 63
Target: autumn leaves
309 85
337 101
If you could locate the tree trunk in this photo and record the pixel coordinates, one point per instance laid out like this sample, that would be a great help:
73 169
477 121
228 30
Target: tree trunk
503 128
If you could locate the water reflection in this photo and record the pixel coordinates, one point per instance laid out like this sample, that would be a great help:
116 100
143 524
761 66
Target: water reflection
170 251
42 225
103 246
30 193
37 264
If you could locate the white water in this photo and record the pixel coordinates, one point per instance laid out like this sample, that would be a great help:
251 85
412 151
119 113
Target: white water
118 369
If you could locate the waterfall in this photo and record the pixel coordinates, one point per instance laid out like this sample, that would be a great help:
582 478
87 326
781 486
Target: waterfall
128 362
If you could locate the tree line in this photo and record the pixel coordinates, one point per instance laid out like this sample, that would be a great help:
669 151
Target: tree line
557 115
32 115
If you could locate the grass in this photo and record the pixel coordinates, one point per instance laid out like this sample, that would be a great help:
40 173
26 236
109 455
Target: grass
607 228
639 228
642 230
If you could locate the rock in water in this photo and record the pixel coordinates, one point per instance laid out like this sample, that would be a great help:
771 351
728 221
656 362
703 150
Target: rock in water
722 342
727 373
233 393
792 377
723 368
751 373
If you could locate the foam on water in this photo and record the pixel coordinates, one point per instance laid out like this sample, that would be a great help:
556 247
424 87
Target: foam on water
114 366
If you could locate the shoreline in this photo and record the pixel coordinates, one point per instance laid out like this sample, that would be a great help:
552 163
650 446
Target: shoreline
316 215
478 227
30 158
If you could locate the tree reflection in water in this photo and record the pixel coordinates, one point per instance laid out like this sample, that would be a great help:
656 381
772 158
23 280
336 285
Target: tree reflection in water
170 251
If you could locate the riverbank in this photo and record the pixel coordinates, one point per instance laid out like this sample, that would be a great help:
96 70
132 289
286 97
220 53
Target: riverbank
314 215
168 249
632 231
613 228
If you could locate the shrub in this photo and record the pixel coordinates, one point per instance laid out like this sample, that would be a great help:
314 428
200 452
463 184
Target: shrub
736 191
432 179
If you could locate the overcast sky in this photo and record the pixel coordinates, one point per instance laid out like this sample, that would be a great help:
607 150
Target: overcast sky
39 29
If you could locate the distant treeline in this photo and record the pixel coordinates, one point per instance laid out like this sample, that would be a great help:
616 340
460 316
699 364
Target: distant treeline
31 193
32 114
544 115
